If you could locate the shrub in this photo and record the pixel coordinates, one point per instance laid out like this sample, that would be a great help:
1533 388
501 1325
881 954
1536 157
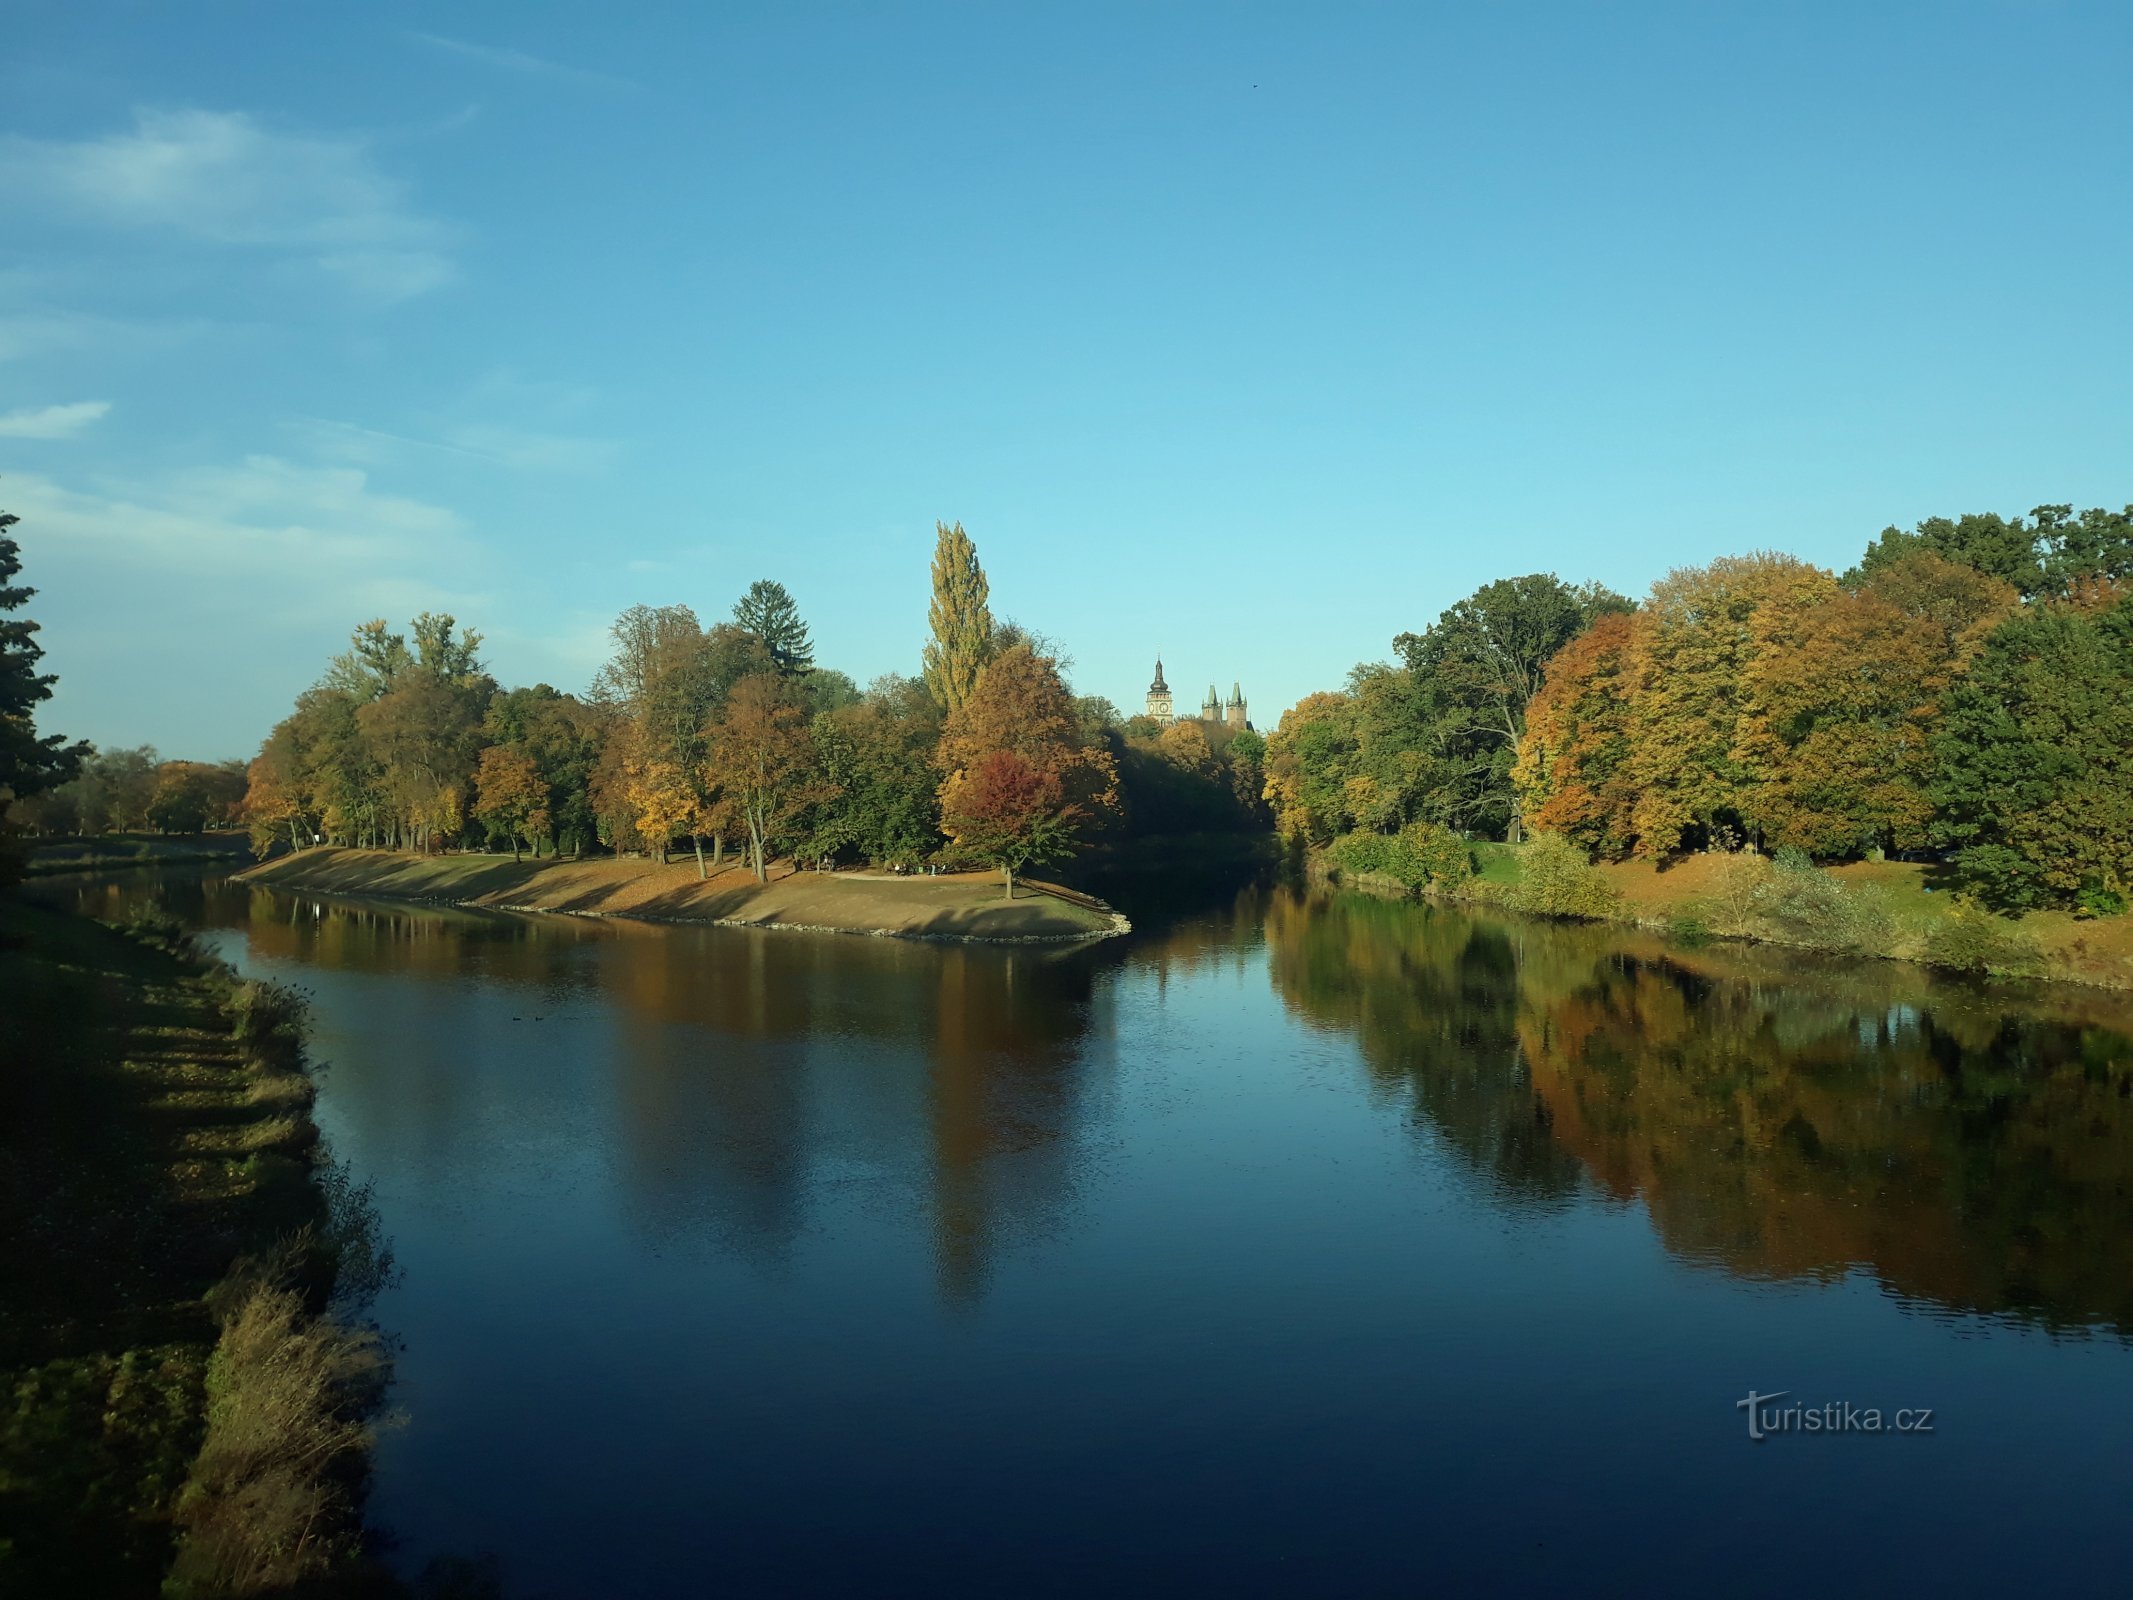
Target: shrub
1975 941
2099 900
1800 904
1418 856
1736 887
1556 880
1689 928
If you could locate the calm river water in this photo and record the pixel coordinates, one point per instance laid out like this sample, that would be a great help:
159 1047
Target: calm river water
1297 1246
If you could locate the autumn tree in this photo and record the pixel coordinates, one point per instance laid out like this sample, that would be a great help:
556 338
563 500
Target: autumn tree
1010 812
759 761
510 795
961 633
191 796
1310 758
1572 769
1472 674
1020 706
1845 696
1693 714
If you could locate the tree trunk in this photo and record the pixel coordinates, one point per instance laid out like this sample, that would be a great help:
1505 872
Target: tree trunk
697 839
718 849
1007 874
514 850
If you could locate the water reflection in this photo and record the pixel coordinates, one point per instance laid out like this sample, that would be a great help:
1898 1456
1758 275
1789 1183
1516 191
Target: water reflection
1778 1119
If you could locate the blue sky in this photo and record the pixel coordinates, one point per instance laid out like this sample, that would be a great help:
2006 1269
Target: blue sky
1253 334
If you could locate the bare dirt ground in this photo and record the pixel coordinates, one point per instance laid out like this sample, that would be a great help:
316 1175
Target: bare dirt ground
955 906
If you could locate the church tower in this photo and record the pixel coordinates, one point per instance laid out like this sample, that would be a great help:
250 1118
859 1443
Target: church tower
1233 712
1159 697
1211 707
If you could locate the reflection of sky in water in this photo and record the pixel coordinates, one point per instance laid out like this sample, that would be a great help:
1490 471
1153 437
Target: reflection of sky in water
1297 1248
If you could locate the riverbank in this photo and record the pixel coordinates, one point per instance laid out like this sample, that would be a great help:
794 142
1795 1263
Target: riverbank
118 851
181 1417
960 906
1889 910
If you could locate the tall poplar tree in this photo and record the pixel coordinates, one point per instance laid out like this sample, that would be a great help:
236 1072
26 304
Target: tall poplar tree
963 633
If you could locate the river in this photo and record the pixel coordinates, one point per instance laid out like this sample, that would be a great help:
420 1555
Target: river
1297 1245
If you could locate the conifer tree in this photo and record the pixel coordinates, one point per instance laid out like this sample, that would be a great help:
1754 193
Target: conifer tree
963 633
29 763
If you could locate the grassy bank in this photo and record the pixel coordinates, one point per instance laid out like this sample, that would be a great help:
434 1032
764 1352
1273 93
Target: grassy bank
958 906
1886 909
179 1417
116 851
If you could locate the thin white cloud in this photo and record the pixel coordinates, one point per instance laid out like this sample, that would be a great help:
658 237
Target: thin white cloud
52 422
27 334
224 178
518 61
520 448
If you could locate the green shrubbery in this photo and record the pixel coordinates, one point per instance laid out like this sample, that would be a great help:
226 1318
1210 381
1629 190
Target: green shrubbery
1557 880
1975 941
1419 856
1796 903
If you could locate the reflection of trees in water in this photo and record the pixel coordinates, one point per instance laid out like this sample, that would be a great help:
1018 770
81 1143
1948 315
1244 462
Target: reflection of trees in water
1782 1121
1432 998
749 1062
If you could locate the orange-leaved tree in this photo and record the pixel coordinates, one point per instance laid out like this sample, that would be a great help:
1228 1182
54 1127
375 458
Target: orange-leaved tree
1572 768
1057 783
509 794
759 763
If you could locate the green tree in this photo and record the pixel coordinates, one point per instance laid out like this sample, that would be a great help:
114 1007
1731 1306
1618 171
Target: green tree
2034 762
961 628
767 614
1473 672
30 762
2054 552
877 758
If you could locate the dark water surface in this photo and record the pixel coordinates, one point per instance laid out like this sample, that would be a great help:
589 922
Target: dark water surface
1295 1247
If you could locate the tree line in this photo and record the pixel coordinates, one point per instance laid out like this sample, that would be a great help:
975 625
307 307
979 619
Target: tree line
732 738
1964 694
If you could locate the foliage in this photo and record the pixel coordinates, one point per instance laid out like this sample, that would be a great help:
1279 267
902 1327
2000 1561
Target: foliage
877 759
1469 679
1421 855
2050 556
1063 783
2034 761
30 762
961 635
760 764
510 795
1557 879
1973 940
767 615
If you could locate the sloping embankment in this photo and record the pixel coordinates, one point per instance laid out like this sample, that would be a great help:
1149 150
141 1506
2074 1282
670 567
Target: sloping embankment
958 907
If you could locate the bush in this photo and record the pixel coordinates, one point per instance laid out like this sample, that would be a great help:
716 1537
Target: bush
1689 929
1800 904
1556 880
1975 941
1416 857
2099 900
